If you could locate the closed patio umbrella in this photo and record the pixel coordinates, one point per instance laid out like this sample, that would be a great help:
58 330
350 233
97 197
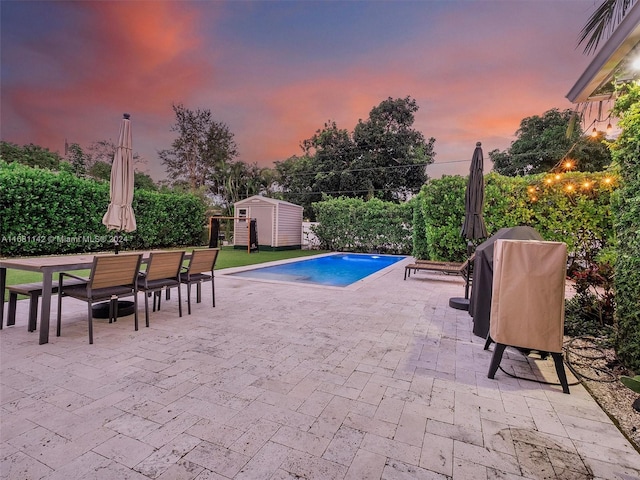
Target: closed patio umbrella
120 214
473 227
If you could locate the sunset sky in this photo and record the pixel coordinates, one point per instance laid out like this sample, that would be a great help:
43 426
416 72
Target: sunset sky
276 71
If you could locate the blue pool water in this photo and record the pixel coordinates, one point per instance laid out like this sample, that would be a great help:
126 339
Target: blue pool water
337 270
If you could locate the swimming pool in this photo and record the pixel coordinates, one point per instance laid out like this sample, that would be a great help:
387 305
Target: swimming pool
337 270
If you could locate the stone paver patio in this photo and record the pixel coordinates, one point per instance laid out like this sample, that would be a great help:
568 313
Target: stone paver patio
381 380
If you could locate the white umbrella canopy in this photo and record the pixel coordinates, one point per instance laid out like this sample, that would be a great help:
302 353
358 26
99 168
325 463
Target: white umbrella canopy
120 214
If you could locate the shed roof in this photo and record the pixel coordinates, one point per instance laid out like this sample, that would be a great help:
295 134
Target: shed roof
272 201
612 60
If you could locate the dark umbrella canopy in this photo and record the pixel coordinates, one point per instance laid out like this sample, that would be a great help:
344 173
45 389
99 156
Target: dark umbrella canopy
473 227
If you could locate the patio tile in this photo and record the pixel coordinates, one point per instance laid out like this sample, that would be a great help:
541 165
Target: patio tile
171 453
344 446
381 381
124 450
411 427
19 465
265 463
391 448
303 465
396 470
366 465
437 454
217 459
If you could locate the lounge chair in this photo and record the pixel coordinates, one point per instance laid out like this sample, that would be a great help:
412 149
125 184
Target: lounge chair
450 268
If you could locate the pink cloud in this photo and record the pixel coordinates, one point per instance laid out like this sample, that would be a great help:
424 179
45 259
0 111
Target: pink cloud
475 73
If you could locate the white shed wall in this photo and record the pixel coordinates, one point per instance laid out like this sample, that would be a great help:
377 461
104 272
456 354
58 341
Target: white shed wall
279 223
288 225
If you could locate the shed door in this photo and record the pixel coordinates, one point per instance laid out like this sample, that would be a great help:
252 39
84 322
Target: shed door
264 216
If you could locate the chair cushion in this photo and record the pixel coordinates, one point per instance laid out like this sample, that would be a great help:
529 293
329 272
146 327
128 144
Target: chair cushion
194 277
97 294
156 284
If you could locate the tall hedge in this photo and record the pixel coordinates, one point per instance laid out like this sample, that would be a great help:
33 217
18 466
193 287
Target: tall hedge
352 224
577 216
45 213
626 153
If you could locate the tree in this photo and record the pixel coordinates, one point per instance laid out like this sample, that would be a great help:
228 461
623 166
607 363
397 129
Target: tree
143 181
104 151
543 144
100 170
235 181
603 22
383 158
396 154
201 144
78 160
31 155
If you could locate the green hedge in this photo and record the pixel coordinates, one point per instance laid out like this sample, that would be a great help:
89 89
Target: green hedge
352 224
626 152
581 217
45 213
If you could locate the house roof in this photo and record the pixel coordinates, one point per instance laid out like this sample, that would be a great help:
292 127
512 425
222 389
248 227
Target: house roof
612 60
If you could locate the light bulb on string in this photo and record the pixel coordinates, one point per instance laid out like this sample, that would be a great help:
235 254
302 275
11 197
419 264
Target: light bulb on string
609 128
594 132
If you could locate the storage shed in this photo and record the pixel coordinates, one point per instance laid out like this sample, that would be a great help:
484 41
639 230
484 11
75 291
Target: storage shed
279 223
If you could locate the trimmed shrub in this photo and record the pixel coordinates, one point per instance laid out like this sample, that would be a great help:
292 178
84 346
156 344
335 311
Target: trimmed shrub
576 209
46 213
352 224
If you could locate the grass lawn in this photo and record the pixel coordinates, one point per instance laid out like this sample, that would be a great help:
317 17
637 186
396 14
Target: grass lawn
228 257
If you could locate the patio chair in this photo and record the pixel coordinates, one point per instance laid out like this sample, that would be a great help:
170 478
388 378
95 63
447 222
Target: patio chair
112 277
202 262
162 273
450 268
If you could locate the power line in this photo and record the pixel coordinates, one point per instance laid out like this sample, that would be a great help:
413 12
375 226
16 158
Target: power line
316 192
363 169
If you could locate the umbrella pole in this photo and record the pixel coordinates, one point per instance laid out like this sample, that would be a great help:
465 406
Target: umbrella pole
463 303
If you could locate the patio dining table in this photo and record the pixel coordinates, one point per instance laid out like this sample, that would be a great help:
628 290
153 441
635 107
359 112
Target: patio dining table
48 266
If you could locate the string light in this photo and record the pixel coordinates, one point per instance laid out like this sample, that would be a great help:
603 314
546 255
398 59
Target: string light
572 184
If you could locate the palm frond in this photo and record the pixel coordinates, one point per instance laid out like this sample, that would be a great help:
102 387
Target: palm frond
603 22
